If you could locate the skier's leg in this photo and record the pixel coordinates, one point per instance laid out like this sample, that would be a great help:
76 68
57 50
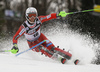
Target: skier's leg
50 46
47 45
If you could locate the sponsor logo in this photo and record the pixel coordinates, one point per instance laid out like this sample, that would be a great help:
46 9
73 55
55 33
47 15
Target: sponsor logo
43 18
48 16
22 31
48 44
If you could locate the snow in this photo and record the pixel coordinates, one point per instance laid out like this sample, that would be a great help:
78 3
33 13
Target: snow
81 47
9 63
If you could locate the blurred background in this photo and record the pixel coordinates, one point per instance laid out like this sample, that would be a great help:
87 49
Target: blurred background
12 12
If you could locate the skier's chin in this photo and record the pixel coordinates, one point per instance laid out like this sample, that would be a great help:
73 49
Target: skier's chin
31 22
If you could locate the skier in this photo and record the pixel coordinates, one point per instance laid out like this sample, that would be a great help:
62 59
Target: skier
31 29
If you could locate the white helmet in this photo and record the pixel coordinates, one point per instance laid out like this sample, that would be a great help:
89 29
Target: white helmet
31 11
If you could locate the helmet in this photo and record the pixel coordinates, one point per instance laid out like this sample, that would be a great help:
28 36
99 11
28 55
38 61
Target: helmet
31 12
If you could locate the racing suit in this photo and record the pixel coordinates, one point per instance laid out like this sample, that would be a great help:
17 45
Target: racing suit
32 32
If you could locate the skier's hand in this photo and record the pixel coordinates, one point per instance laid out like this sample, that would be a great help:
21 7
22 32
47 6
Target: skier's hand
15 49
62 14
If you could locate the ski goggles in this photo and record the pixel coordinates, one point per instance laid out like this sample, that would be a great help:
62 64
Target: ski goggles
31 15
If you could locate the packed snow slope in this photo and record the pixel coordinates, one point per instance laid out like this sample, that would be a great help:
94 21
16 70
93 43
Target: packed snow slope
18 64
81 46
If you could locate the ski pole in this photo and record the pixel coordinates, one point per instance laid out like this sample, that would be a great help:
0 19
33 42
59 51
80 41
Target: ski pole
82 11
5 51
32 47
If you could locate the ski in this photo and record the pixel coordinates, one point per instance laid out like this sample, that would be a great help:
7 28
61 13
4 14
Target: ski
63 53
58 54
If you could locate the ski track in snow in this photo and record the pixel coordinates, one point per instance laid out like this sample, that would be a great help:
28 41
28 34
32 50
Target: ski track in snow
81 47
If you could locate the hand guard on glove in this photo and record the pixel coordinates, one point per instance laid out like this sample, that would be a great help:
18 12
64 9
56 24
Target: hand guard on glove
15 49
62 14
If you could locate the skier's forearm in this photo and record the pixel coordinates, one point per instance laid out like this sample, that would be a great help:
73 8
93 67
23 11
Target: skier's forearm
18 34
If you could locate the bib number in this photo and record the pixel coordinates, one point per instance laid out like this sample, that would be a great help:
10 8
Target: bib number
36 34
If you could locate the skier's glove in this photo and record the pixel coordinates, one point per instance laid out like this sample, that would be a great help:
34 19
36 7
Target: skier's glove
62 14
15 49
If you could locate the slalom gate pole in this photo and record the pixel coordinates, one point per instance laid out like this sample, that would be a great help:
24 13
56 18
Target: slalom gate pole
82 11
31 48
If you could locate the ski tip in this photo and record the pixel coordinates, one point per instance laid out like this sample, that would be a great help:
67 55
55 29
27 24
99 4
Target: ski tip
63 60
76 62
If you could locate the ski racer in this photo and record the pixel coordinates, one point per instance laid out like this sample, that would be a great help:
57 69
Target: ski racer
31 29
